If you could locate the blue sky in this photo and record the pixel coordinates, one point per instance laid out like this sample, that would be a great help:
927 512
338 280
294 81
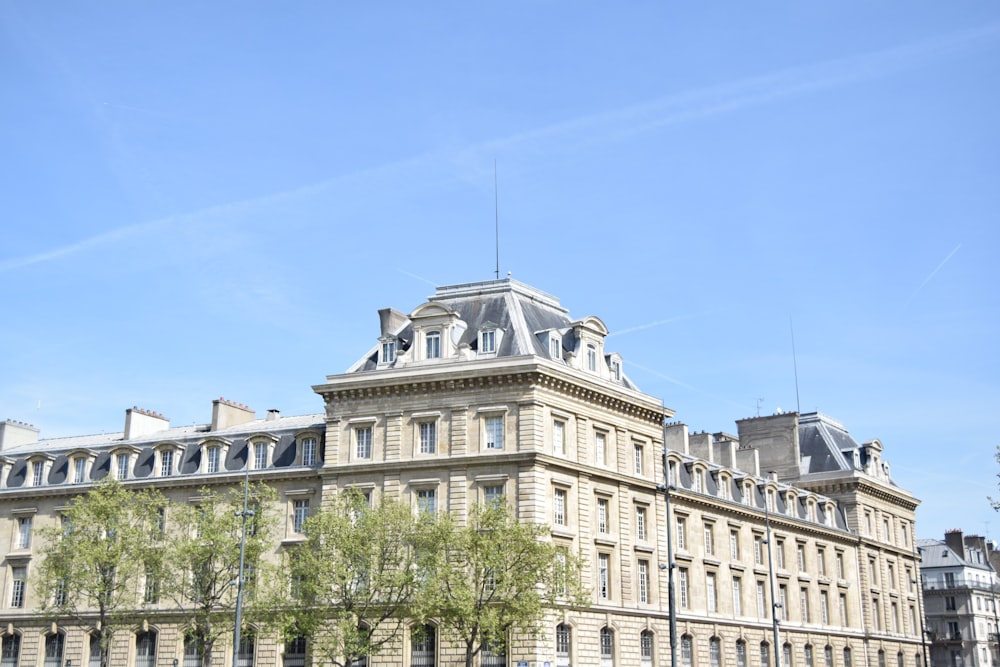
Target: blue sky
213 199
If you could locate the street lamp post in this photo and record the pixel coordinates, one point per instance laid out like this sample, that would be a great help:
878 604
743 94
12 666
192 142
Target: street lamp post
671 565
239 580
775 605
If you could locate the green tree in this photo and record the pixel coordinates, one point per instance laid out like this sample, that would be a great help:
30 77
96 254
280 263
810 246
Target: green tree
495 576
350 585
202 561
95 565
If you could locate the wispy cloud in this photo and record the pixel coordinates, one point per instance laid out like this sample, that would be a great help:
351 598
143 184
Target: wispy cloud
602 127
691 388
932 274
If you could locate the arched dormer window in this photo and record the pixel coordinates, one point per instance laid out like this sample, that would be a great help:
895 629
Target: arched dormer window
80 462
790 502
590 333
213 456
38 469
591 357
724 481
698 478
167 459
122 461
260 450
308 454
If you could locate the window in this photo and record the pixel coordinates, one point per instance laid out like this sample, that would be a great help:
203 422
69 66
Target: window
488 341
602 515
765 654
563 645
682 585
37 473
493 494
672 473
698 477
949 579
616 370
876 615
427 500
259 455
54 649
640 523
388 351
607 647
151 592
300 511
686 650
821 562
828 656
737 596
79 470
555 346
309 452
24 532
840 565
363 442
559 507
758 550
95 652
600 448
643 581
808 652
166 463
894 616
295 652
646 648
428 437
734 544
761 601
714 652
11 651
779 547
786 655
20 574
709 547
248 649
680 533
800 554
804 604
638 451
782 611
881 658
559 438
710 593
741 653
847 656
213 456
591 358
843 609
145 649
891 569
824 607
433 347
121 466
604 576
494 432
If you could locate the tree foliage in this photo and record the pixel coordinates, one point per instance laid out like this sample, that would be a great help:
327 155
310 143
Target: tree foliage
95 565
203 559
354 580
494 576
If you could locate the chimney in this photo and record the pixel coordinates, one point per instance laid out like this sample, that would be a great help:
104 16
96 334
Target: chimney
776 439
227 413
140 422
391 321
955 540
15 433
273 415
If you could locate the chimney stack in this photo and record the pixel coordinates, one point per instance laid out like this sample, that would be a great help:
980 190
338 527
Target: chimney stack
140 422
228 413
15 433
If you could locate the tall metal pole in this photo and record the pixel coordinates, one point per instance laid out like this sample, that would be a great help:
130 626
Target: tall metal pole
671 565
239 580
775 605
920 610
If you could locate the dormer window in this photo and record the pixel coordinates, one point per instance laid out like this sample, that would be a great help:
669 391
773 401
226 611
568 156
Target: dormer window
555 346
37 473
616 370
122 465
309 451
433 344
488 341
213 456
166 463
591 357
79 470
388 352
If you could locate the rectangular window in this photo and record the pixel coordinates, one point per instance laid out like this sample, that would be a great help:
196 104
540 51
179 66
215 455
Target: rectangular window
737 596
604 576
876 613
821 562
23 532
427 500
37 473
714 652
212 454
428 437
166 463
804 604
824 607
734 544
682 585
79 470
761 601
363 442
638 451
17 592
493 494
800 555
710 593
709 546
388 351
494 432
779 548
121 466
151 593
300 511
555 347
758 550
591 358
259 456
600 448
643 581
640 523
602 515
680 533
894 616
843 609
309 452
559 438
840 565
559 507
489 341
433 348
782 612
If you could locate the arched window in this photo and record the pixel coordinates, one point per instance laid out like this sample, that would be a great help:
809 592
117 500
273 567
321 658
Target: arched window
715 652
192 651
564 645
646 648
295 652
422 646
828 656
808 652
687 649
607 647
741 653
11 650
145 649
899 659
847 656
786 655
94 658
248 650
765 654
54 649
492 655
881 658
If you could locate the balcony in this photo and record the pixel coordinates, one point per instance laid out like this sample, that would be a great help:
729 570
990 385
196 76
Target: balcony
939 585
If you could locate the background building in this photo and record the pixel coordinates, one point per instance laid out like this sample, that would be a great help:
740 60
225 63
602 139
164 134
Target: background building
491 389
960 589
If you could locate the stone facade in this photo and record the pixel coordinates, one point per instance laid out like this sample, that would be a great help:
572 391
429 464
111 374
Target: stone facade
491 388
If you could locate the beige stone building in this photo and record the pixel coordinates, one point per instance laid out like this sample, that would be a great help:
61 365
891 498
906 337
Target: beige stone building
492 389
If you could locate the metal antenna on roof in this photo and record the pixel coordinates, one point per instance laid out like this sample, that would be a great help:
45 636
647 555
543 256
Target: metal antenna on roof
795 366
496 220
